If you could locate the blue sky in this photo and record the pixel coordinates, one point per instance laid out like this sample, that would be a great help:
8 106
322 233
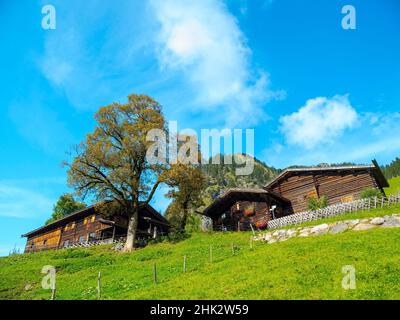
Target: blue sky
312 91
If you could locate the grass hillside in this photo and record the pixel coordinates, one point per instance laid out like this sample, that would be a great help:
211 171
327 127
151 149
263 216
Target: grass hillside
300 268
394 186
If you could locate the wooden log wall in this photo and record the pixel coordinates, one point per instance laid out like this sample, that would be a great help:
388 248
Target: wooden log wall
337 187
236 214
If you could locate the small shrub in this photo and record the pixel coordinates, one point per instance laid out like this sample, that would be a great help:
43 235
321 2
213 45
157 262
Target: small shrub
370 193
315 204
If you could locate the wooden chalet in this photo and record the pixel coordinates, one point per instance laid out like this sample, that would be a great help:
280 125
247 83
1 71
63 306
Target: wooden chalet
88 226
289 192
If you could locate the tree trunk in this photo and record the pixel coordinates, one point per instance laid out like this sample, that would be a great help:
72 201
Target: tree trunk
132 227
184 218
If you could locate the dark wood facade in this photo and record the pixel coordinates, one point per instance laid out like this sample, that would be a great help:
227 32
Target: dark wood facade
337 184
240 209
88 225
290 193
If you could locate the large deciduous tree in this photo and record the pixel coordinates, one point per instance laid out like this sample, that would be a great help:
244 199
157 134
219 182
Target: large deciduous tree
111 164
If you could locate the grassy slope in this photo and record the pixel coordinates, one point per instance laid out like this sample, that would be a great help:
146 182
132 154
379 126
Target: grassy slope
394 186
301 268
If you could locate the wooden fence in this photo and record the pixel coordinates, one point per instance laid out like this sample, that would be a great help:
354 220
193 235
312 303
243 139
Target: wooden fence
334 210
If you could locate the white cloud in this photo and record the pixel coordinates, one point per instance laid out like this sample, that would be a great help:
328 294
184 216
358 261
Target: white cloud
321 120
203 39
20 202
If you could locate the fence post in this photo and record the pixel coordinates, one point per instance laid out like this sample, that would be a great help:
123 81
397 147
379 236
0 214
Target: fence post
155 273
99 286
376 200
53 292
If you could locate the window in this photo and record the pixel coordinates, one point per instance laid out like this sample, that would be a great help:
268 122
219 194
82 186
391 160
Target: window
66 243
82 239
66 228
93 218
85 221
73 225
44 241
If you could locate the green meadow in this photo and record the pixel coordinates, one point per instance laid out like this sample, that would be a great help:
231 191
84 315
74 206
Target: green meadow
300 268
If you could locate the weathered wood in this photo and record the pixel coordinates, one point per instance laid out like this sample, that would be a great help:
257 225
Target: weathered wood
155 273
99 286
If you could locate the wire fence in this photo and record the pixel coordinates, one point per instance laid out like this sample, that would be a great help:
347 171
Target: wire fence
334 210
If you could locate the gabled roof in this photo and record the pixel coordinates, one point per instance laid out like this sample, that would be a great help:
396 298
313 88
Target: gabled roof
80 214
374 168
231 196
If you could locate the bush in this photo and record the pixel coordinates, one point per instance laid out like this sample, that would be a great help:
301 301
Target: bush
370 193
315 204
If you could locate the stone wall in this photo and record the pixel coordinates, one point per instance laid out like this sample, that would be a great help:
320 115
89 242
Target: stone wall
392 221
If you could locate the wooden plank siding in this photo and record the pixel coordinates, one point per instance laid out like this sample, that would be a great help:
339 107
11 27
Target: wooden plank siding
87 225
336 186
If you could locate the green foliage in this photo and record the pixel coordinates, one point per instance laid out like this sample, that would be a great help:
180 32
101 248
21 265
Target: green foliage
186 183
315 204
394 186
222 176
370 193
392 170
64 206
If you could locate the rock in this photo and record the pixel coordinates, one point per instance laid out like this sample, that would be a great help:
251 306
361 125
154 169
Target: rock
272 240
377 221
338 228
28 287
267 237
291 233
320 229
364 226
352 223
304 234
391 222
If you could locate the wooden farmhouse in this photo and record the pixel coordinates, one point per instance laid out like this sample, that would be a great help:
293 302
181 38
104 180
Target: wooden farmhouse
289 192
87 226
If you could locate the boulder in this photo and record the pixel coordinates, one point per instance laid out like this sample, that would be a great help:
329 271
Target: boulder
352 223
267 237
391 222
338 228
364 226
304 234
291 233
320 229
377 221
